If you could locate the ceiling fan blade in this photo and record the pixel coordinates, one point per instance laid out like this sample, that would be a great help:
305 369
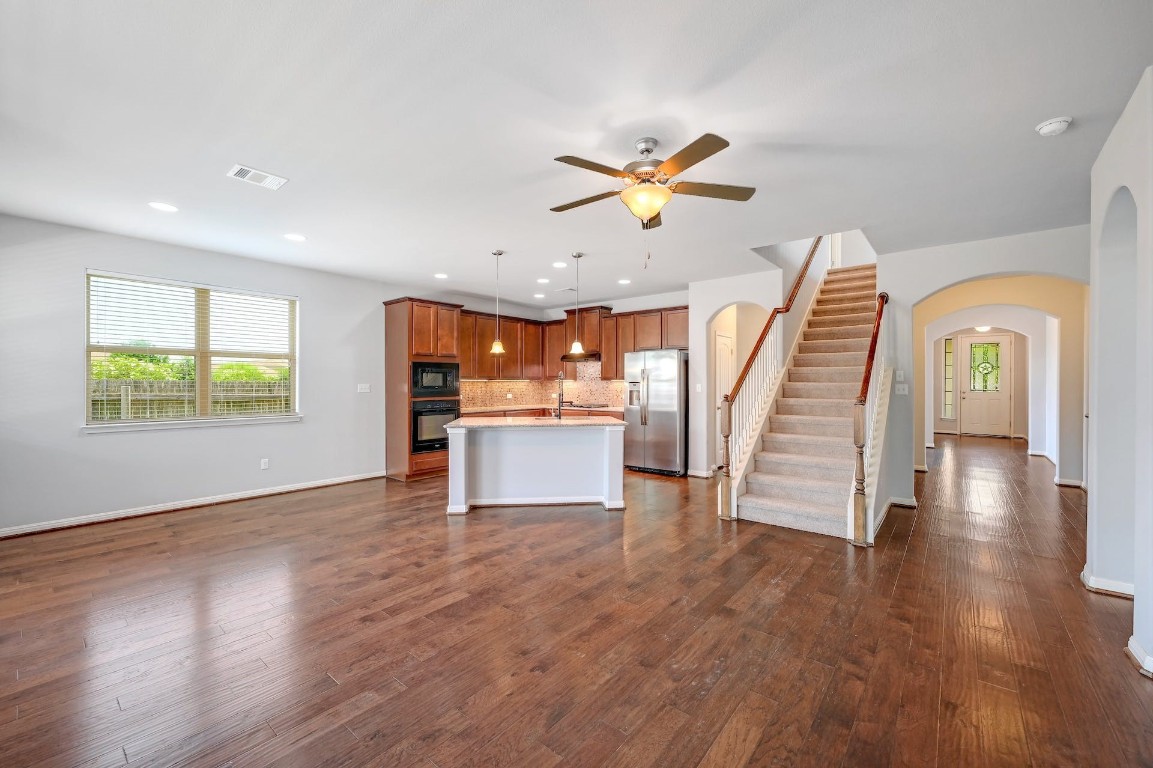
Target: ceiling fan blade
652 223
585 201
722 191
706 146
589 165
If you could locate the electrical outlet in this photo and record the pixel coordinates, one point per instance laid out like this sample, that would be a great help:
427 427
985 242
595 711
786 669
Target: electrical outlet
902 389
508 395
698 388
900 375
363 387
264 463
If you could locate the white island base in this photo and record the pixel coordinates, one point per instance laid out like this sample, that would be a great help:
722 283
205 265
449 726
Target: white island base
516 461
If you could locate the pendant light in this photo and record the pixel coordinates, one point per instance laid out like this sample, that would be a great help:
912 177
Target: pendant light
497 346
577 350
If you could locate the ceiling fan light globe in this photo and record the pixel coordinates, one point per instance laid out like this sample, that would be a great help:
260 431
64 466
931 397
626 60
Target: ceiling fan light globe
646 199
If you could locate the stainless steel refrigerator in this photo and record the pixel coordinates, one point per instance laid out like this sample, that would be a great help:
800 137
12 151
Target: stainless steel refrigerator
657 410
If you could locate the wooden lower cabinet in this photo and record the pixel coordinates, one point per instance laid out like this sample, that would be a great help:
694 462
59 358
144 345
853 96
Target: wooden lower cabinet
433 461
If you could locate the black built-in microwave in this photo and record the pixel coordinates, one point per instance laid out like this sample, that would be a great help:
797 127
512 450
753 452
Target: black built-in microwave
435 380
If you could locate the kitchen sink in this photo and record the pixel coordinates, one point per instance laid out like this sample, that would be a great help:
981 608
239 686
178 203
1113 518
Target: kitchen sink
565 418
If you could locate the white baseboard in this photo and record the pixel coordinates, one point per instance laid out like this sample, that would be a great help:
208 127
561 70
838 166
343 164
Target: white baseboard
898 502
457 509
1068 483
204 501
1107 586
1144 660
706 473
1021 437
1031 452
920 468
932 446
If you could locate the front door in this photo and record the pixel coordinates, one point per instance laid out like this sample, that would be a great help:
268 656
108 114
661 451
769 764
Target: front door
986 369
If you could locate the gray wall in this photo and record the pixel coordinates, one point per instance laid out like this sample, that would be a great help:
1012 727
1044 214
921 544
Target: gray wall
50 471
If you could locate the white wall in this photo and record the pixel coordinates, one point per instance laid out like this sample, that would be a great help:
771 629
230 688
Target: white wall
1126 161
856 249
910 276
706 299
49 471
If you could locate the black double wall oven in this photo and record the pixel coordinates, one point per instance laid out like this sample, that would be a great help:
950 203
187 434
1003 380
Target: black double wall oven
442 382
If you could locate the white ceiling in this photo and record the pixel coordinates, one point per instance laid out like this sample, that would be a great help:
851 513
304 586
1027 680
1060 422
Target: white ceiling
418 136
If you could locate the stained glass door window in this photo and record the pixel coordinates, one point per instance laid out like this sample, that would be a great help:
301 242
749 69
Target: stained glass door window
985 367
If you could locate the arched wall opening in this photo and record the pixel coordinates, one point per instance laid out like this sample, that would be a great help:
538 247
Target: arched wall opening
1110 555
1042 334
732 333
1055 297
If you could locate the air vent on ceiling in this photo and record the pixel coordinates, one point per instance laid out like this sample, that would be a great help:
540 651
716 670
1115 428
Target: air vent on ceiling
259 178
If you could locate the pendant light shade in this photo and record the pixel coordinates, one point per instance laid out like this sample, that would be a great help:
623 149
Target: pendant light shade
577 351
497 346
646 199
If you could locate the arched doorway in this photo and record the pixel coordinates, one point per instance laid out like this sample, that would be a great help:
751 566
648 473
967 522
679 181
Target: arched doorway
732 333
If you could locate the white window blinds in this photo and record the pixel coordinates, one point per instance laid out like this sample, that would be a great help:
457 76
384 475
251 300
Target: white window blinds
163 351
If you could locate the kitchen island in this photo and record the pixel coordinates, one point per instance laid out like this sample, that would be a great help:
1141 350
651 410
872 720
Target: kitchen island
516 461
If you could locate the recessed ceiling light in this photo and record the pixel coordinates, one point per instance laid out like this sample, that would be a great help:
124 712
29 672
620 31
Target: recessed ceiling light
166 207
624 281
542 280
1054 127
559 264
295 237
538 295
440 276
982 328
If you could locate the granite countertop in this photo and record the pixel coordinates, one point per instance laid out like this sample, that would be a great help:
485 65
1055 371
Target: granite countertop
548 406
545 422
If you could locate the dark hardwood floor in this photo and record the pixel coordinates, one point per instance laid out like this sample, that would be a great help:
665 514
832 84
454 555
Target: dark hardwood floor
357 625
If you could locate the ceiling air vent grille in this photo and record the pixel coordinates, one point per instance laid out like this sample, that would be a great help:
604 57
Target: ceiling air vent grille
259 178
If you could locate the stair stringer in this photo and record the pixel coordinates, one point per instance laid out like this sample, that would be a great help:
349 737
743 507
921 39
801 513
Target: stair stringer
738 485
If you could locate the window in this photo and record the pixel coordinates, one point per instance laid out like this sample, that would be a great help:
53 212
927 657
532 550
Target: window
985 367
947 405
162 351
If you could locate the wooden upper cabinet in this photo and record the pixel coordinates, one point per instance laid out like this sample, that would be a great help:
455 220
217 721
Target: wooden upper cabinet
487 366
647 331
447 320
626 341
590 329
675 323
510 365
610 357
533 357
554 347
433 330
466 345
423 329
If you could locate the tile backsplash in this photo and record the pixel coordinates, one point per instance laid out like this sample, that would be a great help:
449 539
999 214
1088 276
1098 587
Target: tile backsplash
587 389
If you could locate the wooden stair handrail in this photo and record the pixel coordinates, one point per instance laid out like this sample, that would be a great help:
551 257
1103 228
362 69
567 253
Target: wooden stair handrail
863 395
732 396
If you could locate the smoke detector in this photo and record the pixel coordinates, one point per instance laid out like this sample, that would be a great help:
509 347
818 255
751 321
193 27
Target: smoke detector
1054 127
259 178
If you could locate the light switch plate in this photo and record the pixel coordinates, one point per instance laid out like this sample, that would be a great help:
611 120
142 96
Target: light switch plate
900 375
363 387
902 389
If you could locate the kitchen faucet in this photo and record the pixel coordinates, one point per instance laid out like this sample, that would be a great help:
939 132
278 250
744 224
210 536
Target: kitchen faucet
560 401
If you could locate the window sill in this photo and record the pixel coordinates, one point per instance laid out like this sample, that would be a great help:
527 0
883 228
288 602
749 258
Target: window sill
152 426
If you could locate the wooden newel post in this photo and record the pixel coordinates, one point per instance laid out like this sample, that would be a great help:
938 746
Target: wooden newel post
859 537
725 486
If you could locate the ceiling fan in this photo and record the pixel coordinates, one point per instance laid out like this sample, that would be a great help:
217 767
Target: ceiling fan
649 181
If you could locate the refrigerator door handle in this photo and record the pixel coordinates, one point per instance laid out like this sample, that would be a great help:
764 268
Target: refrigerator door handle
644 397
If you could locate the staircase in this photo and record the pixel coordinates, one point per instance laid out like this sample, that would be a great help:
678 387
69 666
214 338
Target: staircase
804 471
